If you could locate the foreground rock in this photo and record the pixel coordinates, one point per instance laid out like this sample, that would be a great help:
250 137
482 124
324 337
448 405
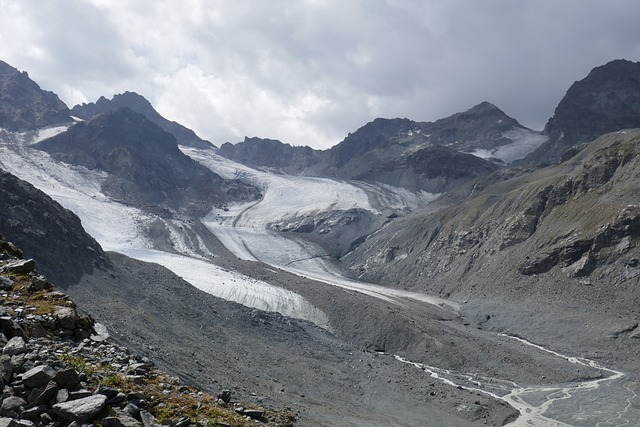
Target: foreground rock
55 370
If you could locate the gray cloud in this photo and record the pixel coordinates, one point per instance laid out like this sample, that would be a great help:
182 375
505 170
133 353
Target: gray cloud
308 72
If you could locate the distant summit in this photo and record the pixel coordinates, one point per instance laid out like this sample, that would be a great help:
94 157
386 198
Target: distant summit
607 100
261 152
430 156
24 105
139 104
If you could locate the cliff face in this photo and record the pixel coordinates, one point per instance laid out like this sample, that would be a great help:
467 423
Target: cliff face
24 105
273 154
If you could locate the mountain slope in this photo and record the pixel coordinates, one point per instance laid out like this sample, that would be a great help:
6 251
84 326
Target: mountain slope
47 232
24 105
139 104
563 236
606 100
434 169
145 166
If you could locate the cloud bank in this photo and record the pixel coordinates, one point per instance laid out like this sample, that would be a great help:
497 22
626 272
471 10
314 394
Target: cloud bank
308 72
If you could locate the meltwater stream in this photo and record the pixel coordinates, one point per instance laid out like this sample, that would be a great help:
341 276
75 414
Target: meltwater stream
605 401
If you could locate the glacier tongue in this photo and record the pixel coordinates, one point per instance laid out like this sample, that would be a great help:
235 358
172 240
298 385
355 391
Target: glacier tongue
121 228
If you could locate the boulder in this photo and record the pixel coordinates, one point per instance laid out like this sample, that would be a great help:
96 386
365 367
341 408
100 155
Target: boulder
39 283
34 412
66 316
6 369
81 410
10 328
120 421
16 345
6 283
38 376
12 404
19 266
8 422
67 378
49 393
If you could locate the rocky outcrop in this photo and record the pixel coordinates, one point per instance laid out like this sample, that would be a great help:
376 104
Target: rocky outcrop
24 105
139 104
146 168
483 126
607 100
434 169
272 154
46 232
427 156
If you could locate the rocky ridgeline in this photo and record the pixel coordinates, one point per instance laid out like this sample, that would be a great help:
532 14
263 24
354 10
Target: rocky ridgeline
55 370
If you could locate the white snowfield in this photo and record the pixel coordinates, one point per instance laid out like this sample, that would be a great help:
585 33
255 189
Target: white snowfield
524 142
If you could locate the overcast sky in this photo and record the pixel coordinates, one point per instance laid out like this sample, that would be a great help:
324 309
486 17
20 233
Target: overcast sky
307 72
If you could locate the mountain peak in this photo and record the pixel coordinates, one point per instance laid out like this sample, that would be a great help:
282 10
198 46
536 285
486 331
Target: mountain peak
24 105
145 166
484 107
606 100
485 110
140 104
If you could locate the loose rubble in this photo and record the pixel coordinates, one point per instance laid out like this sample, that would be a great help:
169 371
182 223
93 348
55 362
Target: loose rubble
56 371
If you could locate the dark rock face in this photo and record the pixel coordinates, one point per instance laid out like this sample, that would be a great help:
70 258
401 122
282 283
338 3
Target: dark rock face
24 105
433 169
607 100
378 134
271 153
423 155
46 232
482 126
139 104
146 167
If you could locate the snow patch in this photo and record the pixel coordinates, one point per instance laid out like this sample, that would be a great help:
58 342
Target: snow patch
48 133
524 142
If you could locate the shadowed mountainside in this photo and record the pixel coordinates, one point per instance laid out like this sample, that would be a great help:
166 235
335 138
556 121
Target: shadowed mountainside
47 232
